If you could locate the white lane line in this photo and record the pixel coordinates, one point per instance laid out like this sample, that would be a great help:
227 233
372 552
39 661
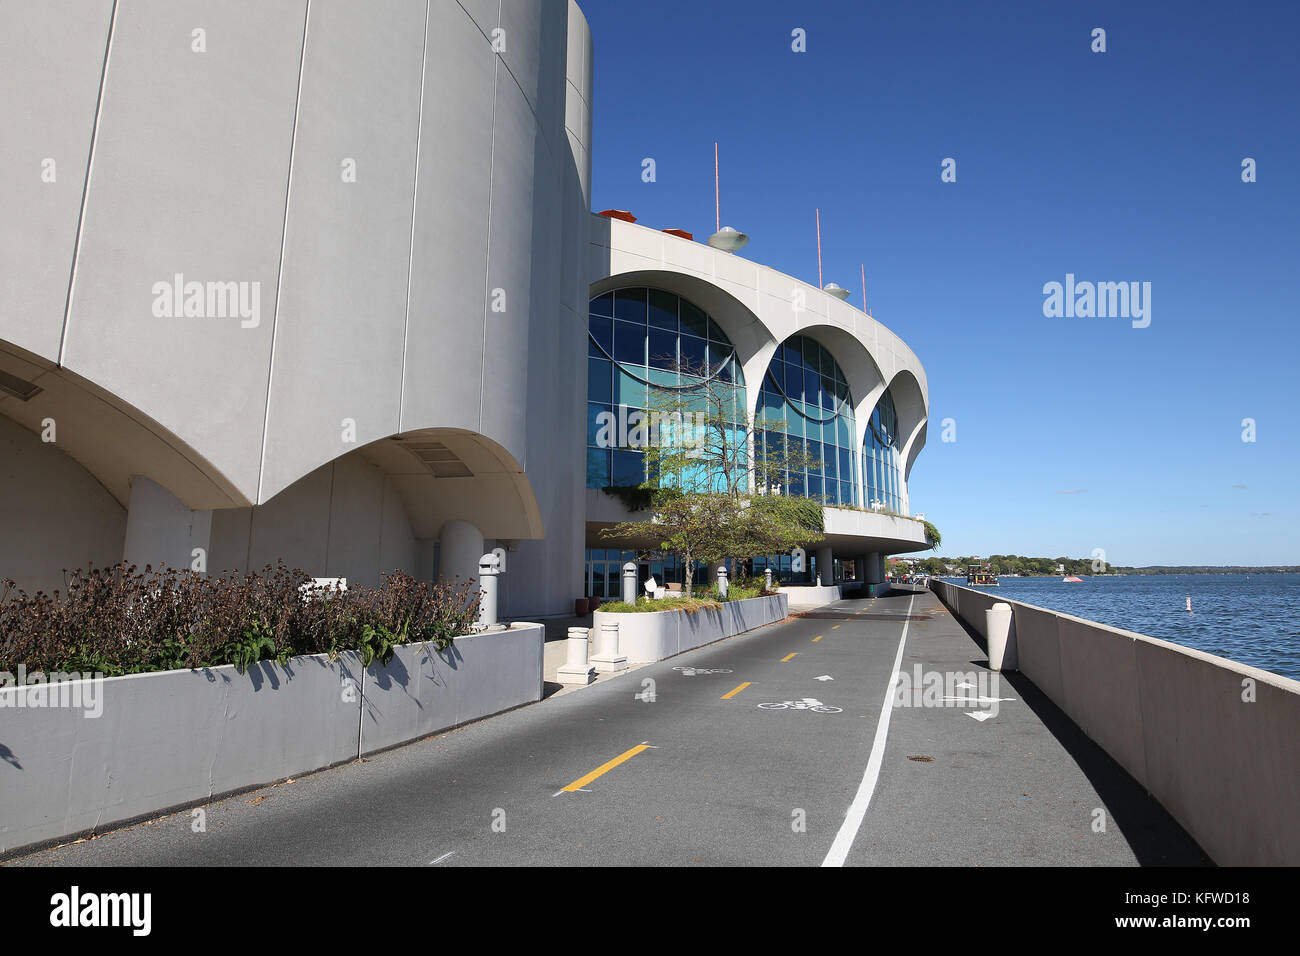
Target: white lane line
441 858
839 850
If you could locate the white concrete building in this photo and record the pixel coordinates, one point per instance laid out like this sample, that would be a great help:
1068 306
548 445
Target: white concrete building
311 281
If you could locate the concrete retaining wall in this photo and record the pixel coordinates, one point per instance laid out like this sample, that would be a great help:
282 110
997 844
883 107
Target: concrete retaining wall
170 739
654 635
809 595
1217 743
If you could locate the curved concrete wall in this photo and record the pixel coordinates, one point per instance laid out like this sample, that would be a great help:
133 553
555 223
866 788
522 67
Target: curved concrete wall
1216 742
53 515
399 189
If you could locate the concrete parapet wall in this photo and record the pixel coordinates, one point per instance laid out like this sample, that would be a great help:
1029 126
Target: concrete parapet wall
651 636
809 595
1217 743
176 738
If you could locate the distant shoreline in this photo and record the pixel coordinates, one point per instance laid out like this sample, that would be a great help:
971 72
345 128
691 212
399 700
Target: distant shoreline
1151 572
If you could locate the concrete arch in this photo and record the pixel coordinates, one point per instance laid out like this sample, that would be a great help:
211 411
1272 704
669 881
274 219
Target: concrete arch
865 379
450 474
110 438
747 333
913 412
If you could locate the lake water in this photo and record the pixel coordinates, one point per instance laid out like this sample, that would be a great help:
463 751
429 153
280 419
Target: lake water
1253 619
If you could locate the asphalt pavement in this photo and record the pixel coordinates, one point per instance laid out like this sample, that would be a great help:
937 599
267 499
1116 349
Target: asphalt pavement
790 745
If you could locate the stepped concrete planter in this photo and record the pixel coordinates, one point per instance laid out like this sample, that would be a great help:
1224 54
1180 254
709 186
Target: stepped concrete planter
175 738
648 636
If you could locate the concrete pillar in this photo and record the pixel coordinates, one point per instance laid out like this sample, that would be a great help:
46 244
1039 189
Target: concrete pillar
875 568
575 669
607 658
160 529
460 545
826 566
488 574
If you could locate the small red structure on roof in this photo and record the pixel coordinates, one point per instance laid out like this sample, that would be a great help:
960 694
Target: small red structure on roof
680 234
618 214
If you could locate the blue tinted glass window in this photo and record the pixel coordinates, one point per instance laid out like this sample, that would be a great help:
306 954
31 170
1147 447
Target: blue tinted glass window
602 330
629 343
598 380
596 424
628 467
597 468
663 348
630 305
663 310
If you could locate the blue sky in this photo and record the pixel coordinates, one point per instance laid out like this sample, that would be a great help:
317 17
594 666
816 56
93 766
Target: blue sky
1115 166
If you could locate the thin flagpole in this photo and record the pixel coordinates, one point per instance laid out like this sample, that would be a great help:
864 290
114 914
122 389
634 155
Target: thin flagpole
717 198
864 287
819 249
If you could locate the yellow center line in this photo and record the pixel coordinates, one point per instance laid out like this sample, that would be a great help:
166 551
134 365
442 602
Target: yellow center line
835 627
605 768
788 656
818 638
731 694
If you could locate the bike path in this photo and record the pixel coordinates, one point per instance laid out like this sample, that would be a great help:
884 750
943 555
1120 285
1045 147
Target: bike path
690 777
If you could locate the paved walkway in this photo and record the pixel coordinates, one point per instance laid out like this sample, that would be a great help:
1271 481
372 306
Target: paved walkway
776 747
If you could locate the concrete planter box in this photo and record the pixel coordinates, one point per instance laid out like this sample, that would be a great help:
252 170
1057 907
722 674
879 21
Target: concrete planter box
1216 742
810 595
654 635
175 738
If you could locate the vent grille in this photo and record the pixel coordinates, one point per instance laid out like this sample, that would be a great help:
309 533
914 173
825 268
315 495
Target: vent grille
440 460
19 388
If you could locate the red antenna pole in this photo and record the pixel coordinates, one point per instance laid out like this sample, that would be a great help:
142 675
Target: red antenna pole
819 248
864 287
717 200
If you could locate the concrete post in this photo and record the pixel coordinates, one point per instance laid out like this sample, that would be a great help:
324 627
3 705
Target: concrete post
607 658
722 580
629 583
487 583
1001 638
575 669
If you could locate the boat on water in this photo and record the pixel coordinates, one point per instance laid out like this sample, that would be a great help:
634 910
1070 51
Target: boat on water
980 578
1071 579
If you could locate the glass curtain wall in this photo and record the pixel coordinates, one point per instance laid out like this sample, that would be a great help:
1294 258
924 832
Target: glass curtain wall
881 452
805 388
641 340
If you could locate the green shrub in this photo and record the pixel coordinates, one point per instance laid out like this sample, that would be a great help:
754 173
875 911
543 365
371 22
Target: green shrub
117 621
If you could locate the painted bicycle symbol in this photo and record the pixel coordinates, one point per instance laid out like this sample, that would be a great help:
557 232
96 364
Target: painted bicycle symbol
808 703
693 671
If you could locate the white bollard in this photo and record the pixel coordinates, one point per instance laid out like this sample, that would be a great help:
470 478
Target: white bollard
607 658
1001 638
488 570
629 583
722 581
575 669
767 578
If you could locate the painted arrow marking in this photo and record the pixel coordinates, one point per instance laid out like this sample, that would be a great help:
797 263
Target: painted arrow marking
980 700
980 715
824 677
